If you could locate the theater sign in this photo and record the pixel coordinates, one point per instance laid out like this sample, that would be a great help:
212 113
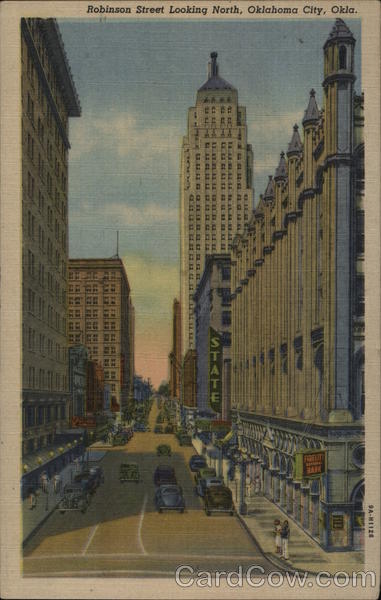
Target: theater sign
215 370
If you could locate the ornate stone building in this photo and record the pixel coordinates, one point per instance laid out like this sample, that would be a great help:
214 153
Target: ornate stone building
216 184
298 315
49 99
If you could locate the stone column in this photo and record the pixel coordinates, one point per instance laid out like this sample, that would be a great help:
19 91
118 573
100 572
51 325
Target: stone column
242 489
289 496
296 500
282 490
275 485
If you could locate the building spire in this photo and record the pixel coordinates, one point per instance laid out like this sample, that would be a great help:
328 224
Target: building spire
269 193
312 112
281 170
295 145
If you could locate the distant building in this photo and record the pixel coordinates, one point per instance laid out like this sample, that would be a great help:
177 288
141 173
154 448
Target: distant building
95 387
212 310
101 317
175 356
49 99
142 389
190 379
78 357
216 184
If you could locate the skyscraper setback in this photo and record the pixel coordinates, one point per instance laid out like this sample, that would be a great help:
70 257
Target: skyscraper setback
216 183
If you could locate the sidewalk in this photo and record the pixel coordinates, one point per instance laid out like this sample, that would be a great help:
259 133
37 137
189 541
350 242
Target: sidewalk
305 554
46 504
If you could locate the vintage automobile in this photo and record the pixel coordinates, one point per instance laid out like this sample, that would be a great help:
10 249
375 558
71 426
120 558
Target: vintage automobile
205 483
129 472
218 499
164 474
163 450
169 497
205 473
158 429
89 481
197 462
184 439
75 497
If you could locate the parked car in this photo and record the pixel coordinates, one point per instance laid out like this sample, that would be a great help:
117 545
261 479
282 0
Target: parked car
164 474
163 450
205 473
197 462
169 497
129 472
218 499
158 429
74 497
205 483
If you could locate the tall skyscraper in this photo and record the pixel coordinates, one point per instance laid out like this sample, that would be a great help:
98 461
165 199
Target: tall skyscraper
49 98
175 354
101 317
216 184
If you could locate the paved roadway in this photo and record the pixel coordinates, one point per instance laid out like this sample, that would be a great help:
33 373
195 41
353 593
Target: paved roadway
122 534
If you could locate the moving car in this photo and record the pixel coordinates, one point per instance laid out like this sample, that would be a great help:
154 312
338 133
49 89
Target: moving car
129 472
163 450
184 439
74 497
169 497
205 473
197 462
158 429
204 484
164 474
218 499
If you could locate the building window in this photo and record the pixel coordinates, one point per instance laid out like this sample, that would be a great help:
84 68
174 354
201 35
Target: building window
342 57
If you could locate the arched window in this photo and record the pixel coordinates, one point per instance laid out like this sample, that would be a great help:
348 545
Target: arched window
342 57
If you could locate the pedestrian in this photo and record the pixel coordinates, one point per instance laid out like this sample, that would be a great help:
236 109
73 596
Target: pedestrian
277 531
32 500
57 483
285 535
45 482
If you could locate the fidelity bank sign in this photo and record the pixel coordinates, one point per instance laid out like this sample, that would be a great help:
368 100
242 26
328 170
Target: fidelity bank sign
215 370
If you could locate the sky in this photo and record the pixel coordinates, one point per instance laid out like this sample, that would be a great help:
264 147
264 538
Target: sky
136 81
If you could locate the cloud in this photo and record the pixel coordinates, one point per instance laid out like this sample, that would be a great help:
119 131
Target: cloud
119 214
127 137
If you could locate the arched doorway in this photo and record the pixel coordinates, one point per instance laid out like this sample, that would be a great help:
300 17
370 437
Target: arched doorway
357 498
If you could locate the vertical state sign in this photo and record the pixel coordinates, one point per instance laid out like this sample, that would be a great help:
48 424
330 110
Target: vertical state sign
215 370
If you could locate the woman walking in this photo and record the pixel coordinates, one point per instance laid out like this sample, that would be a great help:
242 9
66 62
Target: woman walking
277 531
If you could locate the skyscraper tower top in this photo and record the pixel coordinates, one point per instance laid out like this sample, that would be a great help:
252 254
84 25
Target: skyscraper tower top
215 82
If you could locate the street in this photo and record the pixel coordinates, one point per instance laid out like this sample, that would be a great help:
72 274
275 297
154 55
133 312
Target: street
123 534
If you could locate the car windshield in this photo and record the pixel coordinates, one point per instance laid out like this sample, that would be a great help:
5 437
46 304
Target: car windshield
214 481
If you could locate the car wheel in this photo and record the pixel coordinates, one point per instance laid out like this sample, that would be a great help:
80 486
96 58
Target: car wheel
160 510
208 513
232 513
182 510
62 512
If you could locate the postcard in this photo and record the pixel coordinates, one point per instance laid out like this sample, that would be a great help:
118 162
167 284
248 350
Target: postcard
190 292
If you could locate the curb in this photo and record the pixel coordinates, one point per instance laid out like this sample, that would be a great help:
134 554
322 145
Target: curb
277 562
